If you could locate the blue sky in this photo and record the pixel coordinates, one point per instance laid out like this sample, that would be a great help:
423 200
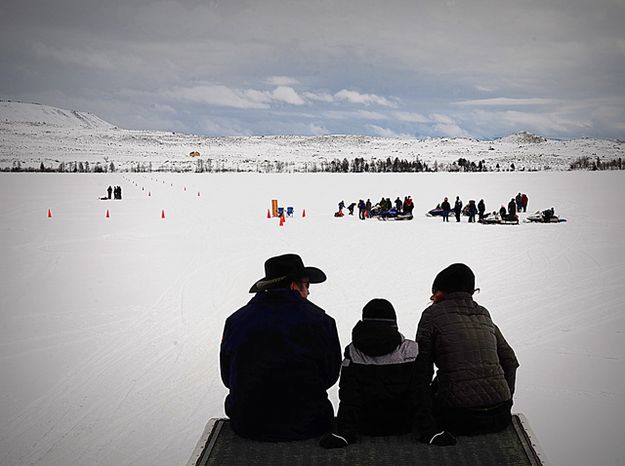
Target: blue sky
481 69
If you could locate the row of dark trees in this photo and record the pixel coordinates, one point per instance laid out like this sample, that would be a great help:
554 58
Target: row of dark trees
64 167
586 163
356 165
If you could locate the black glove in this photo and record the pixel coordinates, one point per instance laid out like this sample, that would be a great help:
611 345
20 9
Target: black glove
441 439
331 440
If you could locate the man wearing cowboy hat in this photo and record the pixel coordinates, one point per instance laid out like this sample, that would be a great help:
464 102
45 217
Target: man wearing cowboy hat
279 355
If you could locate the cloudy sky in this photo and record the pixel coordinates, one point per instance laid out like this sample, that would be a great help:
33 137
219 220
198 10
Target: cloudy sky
479 68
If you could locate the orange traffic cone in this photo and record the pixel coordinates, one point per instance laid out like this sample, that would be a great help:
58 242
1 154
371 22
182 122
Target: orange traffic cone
108 215
162 213
49 213
304 213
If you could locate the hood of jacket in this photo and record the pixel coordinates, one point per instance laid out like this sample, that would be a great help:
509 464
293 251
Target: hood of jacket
375 337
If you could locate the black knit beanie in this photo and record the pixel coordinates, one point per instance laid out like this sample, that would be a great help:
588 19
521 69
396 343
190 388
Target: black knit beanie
379 309
456 277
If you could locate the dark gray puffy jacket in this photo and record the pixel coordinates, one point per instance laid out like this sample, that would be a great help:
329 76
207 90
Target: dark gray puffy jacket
476 366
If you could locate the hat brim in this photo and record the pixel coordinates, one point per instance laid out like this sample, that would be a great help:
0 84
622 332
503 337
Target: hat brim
313 274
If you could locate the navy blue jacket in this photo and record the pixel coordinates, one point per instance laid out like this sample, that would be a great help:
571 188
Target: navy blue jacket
279 355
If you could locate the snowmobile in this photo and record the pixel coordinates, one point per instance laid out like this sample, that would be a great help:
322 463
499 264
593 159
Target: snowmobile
436 212
544 216
496 219
393 214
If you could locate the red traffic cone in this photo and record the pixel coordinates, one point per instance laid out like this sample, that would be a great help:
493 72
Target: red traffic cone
304 213
49 213
282 220
162 213
108 215
268 214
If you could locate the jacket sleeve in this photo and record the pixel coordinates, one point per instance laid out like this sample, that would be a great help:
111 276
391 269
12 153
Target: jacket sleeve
332 354
507 359
425 422
350 398
224 358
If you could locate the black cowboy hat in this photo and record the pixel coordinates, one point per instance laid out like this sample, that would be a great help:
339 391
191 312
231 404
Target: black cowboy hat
286 266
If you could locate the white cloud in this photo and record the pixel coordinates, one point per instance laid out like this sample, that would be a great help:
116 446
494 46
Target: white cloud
317 130
281 81
355 97
360 114
450 130
504 102
439 118
221 96
319 96
410 117
287 95
386 132
224 96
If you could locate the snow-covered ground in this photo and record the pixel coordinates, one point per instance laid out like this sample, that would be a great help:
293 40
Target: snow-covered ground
32 134
110 328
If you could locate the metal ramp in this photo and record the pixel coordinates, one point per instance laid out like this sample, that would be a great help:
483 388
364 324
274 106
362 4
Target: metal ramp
515 446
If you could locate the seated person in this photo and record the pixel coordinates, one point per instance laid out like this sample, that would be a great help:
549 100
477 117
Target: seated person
376 389
279 355
474 384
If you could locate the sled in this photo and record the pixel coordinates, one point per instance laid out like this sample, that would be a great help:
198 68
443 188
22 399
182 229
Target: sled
496 219
538 217
395 218
514 446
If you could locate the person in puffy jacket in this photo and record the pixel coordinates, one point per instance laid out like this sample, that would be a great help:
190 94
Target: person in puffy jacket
476 368
377 389
279 355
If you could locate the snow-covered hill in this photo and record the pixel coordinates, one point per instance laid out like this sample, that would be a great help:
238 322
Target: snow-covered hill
33 133
44 115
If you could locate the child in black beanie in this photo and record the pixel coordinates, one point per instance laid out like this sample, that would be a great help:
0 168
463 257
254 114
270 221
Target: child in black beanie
377 385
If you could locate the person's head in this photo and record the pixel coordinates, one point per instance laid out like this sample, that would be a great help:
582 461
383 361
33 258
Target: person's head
456 277
379 309
288 271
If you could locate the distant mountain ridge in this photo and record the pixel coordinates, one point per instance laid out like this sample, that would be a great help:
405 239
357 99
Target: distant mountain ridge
35 135
39 114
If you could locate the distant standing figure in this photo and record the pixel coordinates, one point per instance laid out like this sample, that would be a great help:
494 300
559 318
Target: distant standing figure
519 202
481 208
524 200
361 209
512 208
341 207
446 209
368 208
109 190
408 205
472 211
398 204
458 208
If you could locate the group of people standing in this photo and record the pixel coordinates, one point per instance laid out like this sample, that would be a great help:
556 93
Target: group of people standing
116 192
367 209
280 353
516 204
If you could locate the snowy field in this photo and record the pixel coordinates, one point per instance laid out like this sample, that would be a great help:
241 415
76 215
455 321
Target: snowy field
110 327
